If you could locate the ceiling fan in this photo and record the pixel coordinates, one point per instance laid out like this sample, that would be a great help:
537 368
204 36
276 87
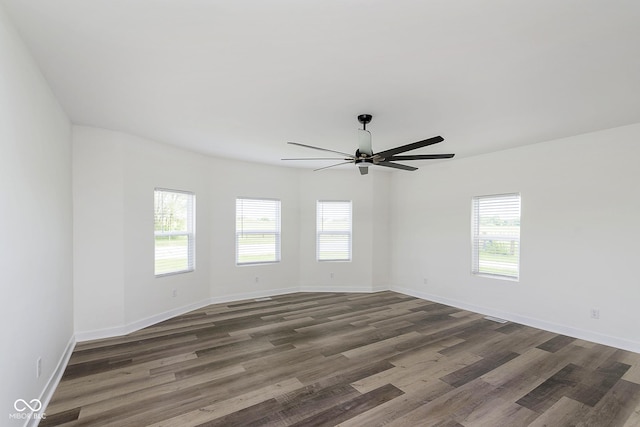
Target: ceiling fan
364 156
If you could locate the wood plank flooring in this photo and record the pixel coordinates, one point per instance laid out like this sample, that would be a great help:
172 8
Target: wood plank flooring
325 359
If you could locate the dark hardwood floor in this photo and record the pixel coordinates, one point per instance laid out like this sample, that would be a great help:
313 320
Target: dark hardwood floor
324 359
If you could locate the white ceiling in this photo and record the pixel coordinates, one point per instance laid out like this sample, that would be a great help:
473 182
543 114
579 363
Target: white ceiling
239 78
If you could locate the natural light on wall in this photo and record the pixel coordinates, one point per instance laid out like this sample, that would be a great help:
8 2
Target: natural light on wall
257 231
174 231
495 241
333 229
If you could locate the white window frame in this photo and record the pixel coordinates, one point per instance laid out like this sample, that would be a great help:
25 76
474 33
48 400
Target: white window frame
243 229
189 232
507 207
323 230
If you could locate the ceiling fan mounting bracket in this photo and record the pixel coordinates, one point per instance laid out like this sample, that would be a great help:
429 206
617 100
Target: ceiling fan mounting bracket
365 119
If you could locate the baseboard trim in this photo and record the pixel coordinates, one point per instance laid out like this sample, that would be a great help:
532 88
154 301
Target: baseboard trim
252 295
98 334
596 337
52 384
118 331
379 288
336 288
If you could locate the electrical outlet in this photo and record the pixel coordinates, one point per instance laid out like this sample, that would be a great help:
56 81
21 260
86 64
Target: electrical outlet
174 293
424 280
331 275
257 279
595 313
38 367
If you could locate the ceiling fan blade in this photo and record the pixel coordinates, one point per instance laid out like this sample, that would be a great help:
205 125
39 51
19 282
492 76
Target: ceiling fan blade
388 153
396 166
321 149
363 170
337 164
420 157
318 158
364 142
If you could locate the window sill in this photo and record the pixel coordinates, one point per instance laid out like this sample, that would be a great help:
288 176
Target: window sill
173 273
496 276
243 264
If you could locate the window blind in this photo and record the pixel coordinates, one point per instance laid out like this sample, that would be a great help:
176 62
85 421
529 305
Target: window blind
257 231
174 231
333 228
496 235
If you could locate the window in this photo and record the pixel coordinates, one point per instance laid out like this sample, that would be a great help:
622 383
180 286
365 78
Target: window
333 240
496 236
257 231
174 231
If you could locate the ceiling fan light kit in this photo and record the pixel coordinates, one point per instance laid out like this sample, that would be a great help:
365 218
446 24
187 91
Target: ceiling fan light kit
365 157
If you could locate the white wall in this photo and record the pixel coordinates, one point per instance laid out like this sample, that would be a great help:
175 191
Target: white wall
579 234
114 178
148 165
36 217
98 231
115 175
370 230
230 179
381 239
